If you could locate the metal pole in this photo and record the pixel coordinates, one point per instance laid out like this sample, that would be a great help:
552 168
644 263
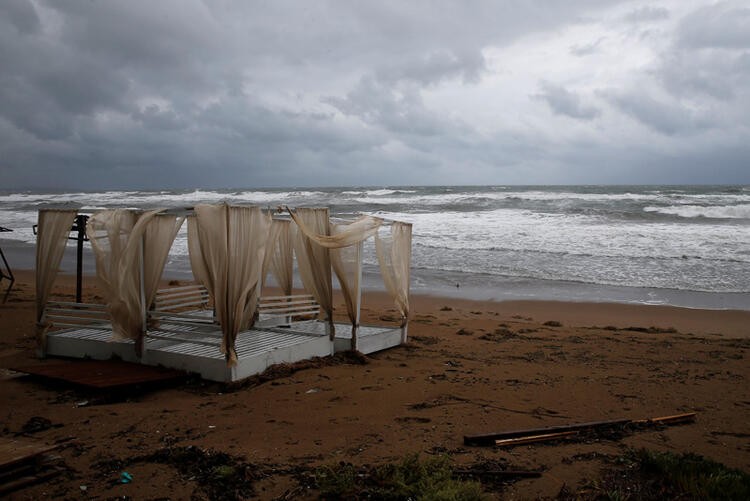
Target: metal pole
81 227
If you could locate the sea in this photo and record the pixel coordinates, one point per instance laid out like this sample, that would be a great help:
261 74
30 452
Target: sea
677 245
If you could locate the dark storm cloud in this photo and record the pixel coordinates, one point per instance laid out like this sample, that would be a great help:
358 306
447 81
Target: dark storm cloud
188 93
21 15
564 102
660 116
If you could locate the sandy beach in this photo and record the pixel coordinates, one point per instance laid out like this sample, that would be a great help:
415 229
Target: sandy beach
469 367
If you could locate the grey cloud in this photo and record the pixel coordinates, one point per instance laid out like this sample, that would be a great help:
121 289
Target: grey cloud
647 13
709 58
661 116
21 14
587 48
563 102
377 104
156 118
184 93
435 67
722 25
719 75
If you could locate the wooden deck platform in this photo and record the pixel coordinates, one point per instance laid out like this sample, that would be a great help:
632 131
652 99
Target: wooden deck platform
195 348
370 339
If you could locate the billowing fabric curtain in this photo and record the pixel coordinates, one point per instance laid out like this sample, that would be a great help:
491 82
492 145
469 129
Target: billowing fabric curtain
53 227
197 263
347 263
349 234
314 261
117 238
345 244
280 255
159 235
233 245
394 257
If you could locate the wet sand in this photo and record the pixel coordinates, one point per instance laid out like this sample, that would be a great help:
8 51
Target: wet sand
469 367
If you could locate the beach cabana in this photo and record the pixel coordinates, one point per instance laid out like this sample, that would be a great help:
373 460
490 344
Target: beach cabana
232 250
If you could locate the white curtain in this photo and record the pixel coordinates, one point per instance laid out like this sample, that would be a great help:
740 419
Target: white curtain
314 261
233 244
357 231
197 263
280 255
345 247
53 227
394 257
157 241
117 238
347 263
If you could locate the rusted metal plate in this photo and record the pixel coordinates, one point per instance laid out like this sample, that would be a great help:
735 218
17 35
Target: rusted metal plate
101 374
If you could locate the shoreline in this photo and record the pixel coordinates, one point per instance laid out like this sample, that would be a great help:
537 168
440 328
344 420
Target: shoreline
476 287
580 314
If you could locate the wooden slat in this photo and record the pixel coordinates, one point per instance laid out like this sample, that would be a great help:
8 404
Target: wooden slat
176 306
14 451
293 296
83 306
170 315
547 437
166 297
293 309
490 438
71 317
266 304
195 287
185 340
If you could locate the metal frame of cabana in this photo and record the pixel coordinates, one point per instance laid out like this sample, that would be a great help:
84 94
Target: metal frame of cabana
181 331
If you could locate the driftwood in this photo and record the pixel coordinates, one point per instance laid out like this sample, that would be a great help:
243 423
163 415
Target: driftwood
535 438
519 437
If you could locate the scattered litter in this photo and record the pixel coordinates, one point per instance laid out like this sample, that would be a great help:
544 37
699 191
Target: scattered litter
313 390
83 403
84 488
125 477
211 426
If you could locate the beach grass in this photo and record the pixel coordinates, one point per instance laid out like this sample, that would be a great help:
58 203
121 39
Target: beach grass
410 478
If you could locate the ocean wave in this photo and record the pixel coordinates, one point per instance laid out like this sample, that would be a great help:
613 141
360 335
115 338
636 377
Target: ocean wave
713 212
377 193
624 236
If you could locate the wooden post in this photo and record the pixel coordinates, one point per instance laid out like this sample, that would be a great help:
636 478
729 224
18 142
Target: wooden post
358 302
141 350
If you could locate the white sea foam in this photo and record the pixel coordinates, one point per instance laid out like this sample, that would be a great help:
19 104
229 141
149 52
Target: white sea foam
716 212
523 230
690 239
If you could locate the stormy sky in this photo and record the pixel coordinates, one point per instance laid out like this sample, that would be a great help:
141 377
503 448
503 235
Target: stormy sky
98 94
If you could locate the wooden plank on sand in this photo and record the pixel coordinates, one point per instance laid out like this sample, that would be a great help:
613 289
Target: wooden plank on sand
14 451
490 438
